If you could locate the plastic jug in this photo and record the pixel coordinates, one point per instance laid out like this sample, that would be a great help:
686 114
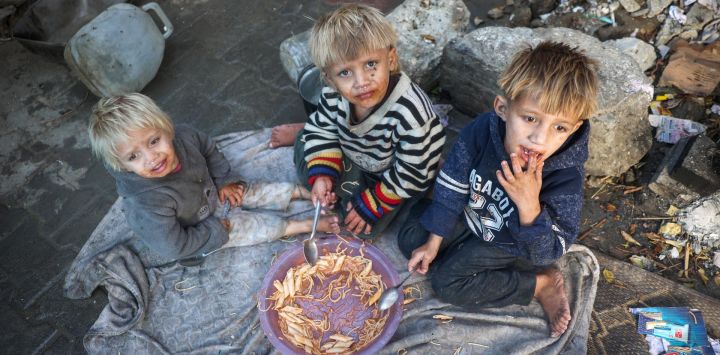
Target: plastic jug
120 50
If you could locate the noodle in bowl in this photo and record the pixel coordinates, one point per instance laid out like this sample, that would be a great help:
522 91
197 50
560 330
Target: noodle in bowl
330 307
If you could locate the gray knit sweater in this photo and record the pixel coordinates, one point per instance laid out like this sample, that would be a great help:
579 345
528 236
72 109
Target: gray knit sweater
173 215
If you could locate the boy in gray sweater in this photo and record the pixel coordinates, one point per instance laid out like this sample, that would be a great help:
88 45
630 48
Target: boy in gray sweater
168 178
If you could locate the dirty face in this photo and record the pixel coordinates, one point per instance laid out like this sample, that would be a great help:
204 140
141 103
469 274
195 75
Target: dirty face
531 131
363 81
149 153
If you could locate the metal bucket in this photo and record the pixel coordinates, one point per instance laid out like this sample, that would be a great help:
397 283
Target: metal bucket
120 50
310 85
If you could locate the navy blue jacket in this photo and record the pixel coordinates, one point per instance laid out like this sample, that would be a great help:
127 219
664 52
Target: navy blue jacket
467 186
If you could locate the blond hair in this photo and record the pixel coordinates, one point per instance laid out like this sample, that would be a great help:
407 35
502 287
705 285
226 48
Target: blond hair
561 78
349 32
113 117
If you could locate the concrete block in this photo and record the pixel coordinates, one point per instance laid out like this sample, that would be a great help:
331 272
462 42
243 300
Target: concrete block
689 171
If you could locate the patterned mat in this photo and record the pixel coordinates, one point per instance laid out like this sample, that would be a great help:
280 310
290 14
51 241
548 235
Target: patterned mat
613 330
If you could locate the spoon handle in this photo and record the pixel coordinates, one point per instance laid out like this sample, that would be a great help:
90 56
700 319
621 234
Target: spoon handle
406 278
315 219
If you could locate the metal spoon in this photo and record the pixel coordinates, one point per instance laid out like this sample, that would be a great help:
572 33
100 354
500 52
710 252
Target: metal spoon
391 295
309 247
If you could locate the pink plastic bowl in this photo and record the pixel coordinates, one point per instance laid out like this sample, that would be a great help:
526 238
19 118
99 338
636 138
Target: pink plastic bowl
294 256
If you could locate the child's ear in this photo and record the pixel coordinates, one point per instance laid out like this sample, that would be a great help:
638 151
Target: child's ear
501 106
393 56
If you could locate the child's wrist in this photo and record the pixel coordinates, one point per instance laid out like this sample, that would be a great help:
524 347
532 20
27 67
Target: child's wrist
528 214
434 241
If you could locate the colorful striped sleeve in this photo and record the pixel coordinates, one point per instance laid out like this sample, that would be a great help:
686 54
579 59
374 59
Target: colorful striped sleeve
322 148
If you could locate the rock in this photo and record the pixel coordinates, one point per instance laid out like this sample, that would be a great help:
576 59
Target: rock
701 220
540 7
697 17
521 17
687 172
295 54
424 27
630 5
537 23
656 7
621 133
642 52
495 13
423 31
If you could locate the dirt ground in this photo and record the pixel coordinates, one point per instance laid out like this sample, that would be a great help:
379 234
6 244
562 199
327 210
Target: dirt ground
625 204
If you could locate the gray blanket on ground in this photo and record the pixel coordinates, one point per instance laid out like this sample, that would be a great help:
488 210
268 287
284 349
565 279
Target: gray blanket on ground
211 308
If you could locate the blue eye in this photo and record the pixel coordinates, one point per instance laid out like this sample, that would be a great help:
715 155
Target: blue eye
372 64
154 140
344 73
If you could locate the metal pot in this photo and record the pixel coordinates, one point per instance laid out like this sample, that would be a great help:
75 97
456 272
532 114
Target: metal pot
120 50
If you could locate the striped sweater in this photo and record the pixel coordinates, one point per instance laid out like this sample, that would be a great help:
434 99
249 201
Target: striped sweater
400 143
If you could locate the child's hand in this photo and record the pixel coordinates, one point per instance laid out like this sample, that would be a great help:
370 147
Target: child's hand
233 192
424 255
322 191
354 223
523 187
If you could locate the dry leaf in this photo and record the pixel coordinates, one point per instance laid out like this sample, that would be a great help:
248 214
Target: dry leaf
628 238
609 276
653 237
672 210
610 207
630 189
670 229
633 228
717 279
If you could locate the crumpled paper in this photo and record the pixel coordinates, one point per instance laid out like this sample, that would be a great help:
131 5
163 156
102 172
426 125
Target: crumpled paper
671 129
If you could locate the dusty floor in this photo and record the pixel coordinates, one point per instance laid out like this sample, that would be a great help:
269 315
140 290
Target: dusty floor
221 72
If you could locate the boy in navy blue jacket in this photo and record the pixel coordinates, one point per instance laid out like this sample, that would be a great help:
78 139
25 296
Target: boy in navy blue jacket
507 201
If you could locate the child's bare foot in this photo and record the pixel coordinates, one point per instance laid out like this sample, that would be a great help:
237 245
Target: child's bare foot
550 291
329 224
284 134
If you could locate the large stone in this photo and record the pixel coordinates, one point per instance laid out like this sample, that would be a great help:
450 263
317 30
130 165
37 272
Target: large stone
642 52
424 27
621 133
